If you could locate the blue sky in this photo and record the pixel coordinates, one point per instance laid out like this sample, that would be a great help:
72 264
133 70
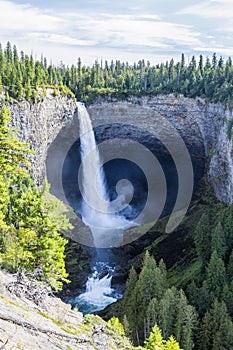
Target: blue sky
155 30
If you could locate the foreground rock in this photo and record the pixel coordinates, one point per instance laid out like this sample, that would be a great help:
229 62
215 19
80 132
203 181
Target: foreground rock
25 325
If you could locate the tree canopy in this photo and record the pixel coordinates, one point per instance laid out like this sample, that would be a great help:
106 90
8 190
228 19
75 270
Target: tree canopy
22 76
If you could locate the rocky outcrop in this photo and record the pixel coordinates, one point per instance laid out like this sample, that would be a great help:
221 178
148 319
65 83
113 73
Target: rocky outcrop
25 325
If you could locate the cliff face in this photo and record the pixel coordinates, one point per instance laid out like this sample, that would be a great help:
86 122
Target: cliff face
203 127
39 125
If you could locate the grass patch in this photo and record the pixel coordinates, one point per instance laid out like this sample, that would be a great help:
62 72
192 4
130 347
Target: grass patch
181 275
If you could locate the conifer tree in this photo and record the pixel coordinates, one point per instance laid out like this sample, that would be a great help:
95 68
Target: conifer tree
230 267
1 85
227 225
167 312
186 322
151 284
156 341
216 329
171 344
131 304
152 316
12 151
218 241
215 277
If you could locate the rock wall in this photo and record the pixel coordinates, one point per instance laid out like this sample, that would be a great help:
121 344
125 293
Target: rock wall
202 125
39 124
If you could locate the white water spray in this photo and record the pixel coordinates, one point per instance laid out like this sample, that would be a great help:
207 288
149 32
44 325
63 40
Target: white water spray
98 294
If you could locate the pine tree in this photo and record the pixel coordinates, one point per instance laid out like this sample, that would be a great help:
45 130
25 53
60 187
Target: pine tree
151 284
156 341
126 326
227 224
12 152
218 241
1 85
171 344
27 209
152 315
214 61
201 65
8 53
182 61
167 312
230 267
186 322
215 277
216 329
131 304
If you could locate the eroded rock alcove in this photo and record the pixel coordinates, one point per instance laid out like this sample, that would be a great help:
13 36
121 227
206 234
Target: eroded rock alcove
164 127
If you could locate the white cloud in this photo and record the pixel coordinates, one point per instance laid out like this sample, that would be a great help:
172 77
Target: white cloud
82 29
150 17
218 50
135 30
222 1
60 39
23 17
210 9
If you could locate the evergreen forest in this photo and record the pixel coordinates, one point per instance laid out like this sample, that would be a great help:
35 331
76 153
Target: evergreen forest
22 76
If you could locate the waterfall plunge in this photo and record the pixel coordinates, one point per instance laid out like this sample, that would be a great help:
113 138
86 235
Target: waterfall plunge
107 227
98 294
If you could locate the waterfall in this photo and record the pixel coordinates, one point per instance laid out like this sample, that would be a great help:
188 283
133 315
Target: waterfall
93 182
107 228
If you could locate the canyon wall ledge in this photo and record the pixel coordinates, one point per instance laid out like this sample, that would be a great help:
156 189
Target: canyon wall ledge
199 123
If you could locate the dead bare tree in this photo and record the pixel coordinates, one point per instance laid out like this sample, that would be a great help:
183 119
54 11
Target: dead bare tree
31 285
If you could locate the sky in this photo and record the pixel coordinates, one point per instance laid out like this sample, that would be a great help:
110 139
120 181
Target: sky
154 30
